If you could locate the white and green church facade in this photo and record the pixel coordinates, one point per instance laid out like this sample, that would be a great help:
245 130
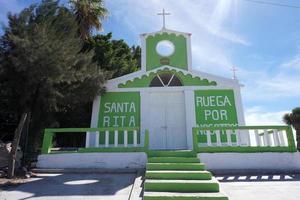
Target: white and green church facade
168 97
169 105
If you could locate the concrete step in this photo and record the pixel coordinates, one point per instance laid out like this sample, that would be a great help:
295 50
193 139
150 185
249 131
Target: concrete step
177 153
173 160
175 166
184 196
181 185
179 175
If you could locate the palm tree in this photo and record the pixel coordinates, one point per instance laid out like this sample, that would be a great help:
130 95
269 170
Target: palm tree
89 14
293 119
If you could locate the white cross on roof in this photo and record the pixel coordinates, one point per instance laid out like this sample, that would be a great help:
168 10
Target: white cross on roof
234 69
164 17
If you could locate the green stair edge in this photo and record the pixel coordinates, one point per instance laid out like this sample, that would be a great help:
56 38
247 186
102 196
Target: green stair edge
175 166
177 153
178 176
173 160
182 187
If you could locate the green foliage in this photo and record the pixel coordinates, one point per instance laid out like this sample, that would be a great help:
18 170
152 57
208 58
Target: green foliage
114 55
42 70
292 118
88 13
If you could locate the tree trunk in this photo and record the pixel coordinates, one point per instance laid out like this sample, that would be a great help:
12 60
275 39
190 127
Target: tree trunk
14 146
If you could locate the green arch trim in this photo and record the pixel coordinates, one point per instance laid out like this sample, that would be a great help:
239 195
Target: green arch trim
187 80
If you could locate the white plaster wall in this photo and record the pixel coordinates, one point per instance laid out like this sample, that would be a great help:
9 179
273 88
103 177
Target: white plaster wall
190 116
93 160
251 161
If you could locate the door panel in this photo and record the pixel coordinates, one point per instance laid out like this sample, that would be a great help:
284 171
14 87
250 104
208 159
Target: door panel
167 121
175 120
157 123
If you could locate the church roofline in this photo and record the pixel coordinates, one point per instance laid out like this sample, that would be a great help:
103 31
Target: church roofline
195 73
165 30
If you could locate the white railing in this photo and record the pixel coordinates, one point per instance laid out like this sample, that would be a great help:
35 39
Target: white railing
124 137
244 136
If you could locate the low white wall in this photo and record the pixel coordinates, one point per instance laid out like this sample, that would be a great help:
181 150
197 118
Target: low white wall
251 161
93 160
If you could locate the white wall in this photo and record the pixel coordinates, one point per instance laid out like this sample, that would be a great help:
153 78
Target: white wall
93 160
251 161
138 160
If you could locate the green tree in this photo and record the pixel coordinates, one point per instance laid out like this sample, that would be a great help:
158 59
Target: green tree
114 55
89 14
293 119
42 70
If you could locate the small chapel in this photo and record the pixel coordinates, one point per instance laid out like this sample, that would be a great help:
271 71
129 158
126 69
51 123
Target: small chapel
171 123
168 96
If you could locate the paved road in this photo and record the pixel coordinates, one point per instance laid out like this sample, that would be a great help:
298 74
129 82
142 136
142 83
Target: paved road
73 187
269 187
118 187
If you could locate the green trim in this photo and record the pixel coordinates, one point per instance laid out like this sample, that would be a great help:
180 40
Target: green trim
186 79
146 140
178 176
184 198
240 149
182 187
178 153
173 160
47 141
49 133
244 149
76 130
111 149
175 166
243 128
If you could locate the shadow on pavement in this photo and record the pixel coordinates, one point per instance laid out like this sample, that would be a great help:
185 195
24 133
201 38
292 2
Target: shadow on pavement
91 184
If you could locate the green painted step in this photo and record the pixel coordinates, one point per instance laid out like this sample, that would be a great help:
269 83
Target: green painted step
175 166
181 185
173 160
179 153
184 196
179 175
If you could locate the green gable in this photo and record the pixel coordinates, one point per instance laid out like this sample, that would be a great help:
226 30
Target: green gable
178 59
186 79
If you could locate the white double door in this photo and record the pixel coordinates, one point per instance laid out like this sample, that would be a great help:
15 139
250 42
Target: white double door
167 120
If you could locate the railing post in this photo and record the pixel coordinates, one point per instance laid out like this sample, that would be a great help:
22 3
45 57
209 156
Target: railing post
257 138
146 140
47 141
218 138
228 134
116 138
267 138
208 135
97 140
237 134
125 138
281 138
135 138
290 138
276 138
106 138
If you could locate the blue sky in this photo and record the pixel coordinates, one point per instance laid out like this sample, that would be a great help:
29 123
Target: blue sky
262 41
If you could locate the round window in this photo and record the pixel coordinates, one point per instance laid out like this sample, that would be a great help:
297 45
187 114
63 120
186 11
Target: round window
165 48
